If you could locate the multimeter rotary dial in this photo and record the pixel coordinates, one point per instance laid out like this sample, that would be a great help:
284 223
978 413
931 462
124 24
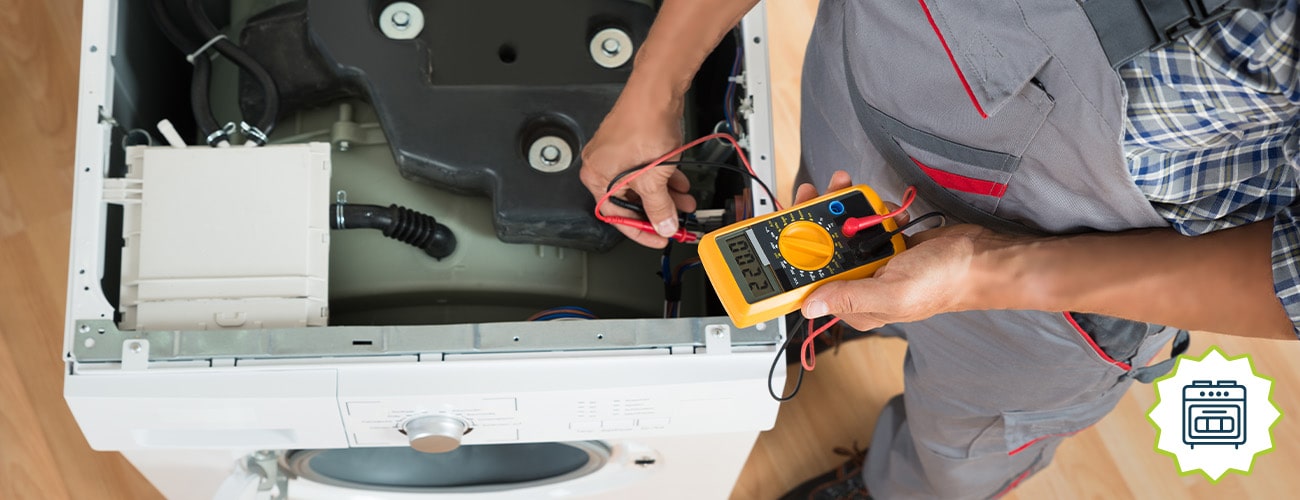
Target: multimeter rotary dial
806 245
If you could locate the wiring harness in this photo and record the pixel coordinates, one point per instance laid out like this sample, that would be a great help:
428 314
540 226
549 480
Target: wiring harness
621 181
562 313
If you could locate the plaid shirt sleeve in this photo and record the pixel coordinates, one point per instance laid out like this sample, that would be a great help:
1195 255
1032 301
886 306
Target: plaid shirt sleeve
1286 261
1212 136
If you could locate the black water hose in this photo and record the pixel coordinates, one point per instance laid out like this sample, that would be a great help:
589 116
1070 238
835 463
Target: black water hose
199 80
245 62
400 223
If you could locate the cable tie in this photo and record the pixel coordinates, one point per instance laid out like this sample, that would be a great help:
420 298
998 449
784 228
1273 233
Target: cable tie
205 47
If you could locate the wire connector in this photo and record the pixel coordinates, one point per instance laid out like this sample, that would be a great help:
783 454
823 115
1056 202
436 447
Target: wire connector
854 225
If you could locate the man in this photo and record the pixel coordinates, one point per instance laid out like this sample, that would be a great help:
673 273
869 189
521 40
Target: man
1161 192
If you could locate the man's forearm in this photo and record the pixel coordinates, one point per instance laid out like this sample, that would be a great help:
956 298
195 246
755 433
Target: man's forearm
683 35
1221 282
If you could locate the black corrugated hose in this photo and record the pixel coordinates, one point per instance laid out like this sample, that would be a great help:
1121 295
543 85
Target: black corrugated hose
400 223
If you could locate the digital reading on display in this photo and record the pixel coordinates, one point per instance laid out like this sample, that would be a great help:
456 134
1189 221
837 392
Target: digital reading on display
756 283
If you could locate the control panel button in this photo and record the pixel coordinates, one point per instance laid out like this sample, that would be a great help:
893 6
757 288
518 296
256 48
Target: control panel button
806 245
616 425
652 423
435 433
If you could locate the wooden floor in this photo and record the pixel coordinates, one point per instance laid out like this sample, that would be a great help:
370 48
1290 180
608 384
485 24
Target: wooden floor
1114 459
43 455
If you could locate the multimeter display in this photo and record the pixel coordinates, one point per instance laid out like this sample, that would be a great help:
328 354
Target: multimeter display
756 273
763 268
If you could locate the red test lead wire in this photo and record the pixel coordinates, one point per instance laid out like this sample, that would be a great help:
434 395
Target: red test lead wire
808 352
854 225
682 235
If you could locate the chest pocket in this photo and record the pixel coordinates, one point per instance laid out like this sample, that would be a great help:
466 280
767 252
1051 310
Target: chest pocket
970 96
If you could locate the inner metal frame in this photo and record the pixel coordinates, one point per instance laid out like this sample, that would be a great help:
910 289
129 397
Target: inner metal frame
102 341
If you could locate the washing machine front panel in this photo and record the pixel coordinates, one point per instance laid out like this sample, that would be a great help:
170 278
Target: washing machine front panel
535 400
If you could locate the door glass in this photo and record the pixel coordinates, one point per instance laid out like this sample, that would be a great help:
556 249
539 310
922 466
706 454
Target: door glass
479 468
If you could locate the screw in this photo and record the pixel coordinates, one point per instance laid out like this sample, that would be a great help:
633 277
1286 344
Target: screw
611 46
551 155
345 145
136 347
401 19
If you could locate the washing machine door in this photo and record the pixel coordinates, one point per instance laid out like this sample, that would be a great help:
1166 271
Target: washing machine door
477 472
467 469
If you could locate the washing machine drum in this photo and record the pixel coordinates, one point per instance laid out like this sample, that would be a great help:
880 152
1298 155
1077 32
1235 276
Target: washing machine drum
479 468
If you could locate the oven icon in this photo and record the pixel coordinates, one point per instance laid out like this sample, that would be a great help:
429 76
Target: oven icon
1214 413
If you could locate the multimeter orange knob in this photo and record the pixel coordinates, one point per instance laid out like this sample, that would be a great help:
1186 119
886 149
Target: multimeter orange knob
806 245
764 268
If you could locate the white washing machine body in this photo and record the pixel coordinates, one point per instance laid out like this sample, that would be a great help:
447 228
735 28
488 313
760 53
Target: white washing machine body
659 407
650 424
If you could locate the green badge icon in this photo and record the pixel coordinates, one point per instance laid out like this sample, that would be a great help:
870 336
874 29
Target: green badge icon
1214 414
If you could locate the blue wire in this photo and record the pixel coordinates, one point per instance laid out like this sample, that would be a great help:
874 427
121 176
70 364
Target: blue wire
731 92
560 316
565 310
685 268
576 308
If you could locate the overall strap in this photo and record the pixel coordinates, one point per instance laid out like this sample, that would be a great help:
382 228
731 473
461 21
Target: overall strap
1147 374
1127 28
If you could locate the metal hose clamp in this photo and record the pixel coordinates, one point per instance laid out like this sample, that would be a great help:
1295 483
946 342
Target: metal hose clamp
253 133
221 134
340 199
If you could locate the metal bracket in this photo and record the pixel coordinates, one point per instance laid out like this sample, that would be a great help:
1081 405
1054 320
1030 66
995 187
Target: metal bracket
100 341
135 355
717 339
267 465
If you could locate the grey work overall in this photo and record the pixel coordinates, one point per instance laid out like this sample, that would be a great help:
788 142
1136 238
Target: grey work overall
1019 119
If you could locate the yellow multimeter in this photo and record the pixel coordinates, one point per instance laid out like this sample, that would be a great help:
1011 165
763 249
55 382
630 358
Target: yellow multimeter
765 267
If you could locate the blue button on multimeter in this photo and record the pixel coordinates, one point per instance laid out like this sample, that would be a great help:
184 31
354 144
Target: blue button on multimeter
836 207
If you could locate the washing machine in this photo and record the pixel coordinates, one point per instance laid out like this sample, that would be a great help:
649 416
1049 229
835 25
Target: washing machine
399 290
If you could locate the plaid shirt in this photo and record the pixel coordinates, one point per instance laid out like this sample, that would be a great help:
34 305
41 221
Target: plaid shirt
1211 137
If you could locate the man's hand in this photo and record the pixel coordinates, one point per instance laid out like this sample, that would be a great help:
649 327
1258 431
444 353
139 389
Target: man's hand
1221 281
646 121
932 277
644 124
929 278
